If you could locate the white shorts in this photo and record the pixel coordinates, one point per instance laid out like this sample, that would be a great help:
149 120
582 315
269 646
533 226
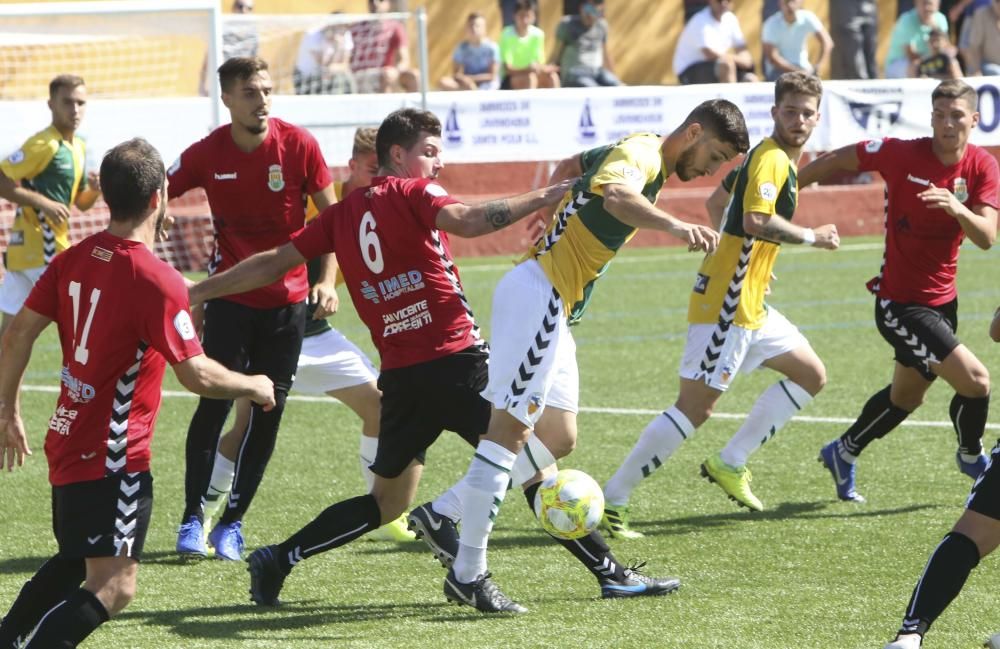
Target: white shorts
739 350
329 361
16 286
532 352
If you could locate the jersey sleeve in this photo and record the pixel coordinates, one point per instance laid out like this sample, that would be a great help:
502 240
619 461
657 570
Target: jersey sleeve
427 198
44 296
627 164
184 173
815 24
166 324
30 160
730 180
988 186
539 48
317 237
875 155
317 173
766 175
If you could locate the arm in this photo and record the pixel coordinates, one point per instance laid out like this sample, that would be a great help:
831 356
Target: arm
21 196
778 229
483 218
483 77
631 208
609 64
825 47
324 292
253 272
772 54
16 352
978 223
207 378
995 326
843 159
86 198
716 207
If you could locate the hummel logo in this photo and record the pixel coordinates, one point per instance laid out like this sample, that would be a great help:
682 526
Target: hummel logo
455 590
94 539
919 181
87 456
229 176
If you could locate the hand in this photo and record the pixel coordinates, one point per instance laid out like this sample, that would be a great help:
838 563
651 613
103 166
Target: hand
325 297
537 224
553 194
163 233
941 198
827 237
15 442
767 288
94 181
262 391
55 212
697 237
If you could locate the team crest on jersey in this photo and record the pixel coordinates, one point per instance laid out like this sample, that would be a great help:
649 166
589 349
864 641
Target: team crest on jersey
275 180
17 157
701 284
534 403
961 190
16 238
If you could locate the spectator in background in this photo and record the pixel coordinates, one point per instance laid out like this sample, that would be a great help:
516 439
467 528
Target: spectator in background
582 48
982 55
942 62
239 37
476 59
910 41
323 66
712 49
522 52
691 7
784 36
854 29
380 60
959 14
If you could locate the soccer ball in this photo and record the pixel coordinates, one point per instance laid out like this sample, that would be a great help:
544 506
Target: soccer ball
569 504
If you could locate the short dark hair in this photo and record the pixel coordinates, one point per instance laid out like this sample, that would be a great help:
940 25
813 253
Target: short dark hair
70 81
130 174
403 127
525 5
239 67
956 89
475 15
722 119
797 83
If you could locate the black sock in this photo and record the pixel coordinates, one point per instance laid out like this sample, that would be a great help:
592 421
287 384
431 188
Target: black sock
877 418
969 414
336 525
56 580
591 550
70 622
942 581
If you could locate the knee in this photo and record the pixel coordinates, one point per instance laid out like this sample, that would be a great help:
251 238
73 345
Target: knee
390 505
117 594
979 384
907 402
816 381
562 445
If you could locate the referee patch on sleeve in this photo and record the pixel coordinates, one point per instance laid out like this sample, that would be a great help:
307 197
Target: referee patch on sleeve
435 190
768 191
873 146
634 178
184 326
17 157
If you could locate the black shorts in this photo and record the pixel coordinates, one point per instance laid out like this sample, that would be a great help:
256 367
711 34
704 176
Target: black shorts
103 518
420 401
985 496
256 341
919 334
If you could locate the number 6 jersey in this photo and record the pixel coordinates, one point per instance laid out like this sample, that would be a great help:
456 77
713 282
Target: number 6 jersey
397 267
121 312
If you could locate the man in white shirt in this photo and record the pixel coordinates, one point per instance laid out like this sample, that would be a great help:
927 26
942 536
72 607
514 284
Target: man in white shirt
784 36
712 49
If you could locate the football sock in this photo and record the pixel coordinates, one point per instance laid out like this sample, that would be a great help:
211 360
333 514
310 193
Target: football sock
590 550
336 525
369 447
968 414
534 457
202 440
878 417
254 454
661 437
772 410
942 581
449 504
70 622
482 493
56 580
222 478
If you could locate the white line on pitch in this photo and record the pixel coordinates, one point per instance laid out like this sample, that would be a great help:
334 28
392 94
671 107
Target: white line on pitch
596 410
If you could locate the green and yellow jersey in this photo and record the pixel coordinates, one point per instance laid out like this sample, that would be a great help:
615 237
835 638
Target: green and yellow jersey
732 281
583 238
54 168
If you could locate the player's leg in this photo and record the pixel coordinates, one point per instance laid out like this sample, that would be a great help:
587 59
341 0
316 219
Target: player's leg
975 535
969 407
221 482
14 290
226 331
274 351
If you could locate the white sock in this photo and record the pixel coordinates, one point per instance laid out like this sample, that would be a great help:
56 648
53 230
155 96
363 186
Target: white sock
772 411
449 504
534 457
482 491
658 442
222 476
369 446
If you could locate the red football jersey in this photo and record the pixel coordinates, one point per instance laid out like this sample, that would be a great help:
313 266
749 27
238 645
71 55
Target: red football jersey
398 268
921 244
120 312
255 198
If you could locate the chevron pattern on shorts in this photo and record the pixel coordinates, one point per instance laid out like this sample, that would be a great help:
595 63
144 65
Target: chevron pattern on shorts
542 341
127 515
727 313
917 348
48 242
121 407
571 208
456 284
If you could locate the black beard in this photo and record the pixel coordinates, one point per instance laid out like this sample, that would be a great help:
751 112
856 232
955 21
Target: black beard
683 168
256 130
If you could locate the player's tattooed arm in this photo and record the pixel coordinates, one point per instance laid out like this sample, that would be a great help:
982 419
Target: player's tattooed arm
483 218
773 230
780 230
497 214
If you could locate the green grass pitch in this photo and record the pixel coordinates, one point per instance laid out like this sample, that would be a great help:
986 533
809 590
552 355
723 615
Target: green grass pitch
809 572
